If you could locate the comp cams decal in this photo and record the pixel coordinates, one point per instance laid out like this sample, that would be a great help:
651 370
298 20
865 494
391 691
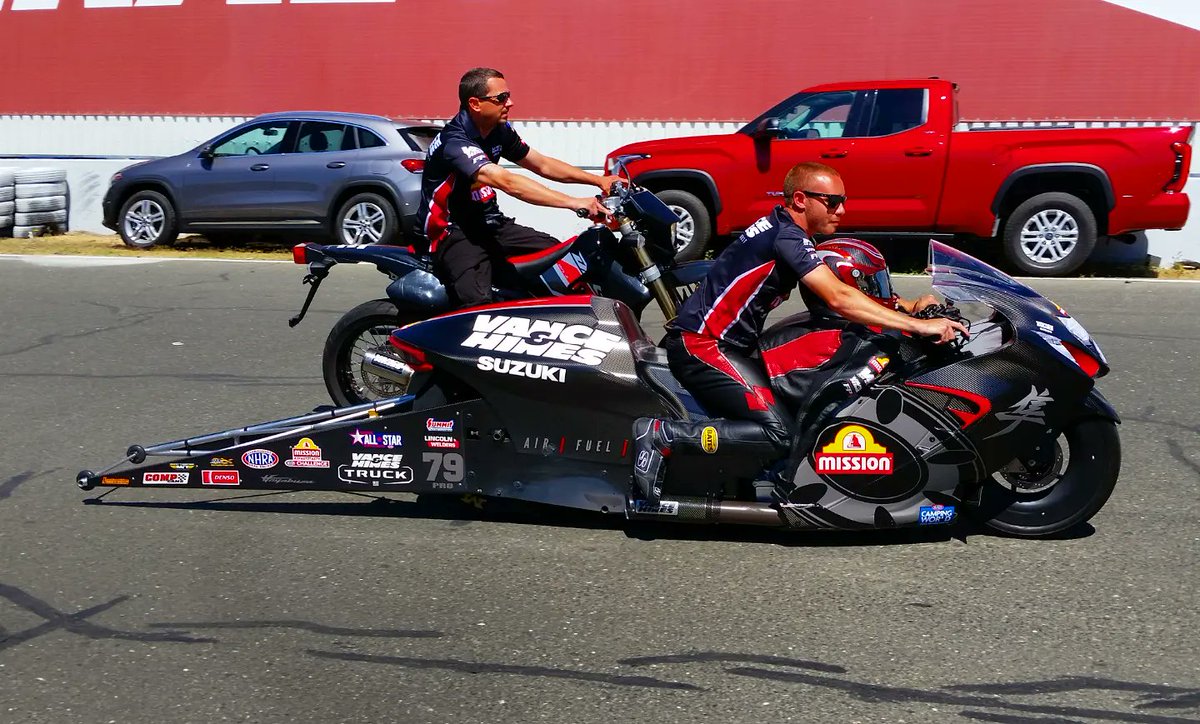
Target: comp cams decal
854 452
165 478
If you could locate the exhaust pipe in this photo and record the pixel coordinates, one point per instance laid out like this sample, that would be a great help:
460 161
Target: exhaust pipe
382 364
704 511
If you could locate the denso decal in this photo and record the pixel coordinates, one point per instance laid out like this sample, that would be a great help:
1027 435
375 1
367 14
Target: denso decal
854 452
260 459
441 441
517 368
386 440
541 338
165 478
220 477
936 514
306 454
433 425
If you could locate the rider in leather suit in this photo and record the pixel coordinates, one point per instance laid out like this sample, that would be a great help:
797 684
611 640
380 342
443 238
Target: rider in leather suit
710 344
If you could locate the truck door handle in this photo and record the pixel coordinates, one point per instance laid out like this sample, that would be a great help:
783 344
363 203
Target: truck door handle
260 167
336 164
835 153
918 151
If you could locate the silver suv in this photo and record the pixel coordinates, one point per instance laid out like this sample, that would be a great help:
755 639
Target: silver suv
353 177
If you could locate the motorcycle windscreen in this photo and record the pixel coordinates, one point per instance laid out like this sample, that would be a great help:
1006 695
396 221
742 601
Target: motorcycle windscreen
963 278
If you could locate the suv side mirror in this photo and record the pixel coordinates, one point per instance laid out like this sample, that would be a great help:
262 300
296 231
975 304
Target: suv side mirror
767 128
207 153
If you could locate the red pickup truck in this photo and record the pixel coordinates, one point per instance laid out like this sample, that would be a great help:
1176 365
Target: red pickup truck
1045 193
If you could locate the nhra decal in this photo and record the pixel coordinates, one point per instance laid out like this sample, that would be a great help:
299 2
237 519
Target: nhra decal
260 459
433 425
220 477
165 478
541 338
936 514
517 368
441 441
387 440
854 452
1031 408
375 469
306 454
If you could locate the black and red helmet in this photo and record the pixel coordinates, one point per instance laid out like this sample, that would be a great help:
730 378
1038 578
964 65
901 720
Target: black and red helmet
859 264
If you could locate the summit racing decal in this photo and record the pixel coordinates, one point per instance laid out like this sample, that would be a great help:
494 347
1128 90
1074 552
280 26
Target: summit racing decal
434 425
306 454
854 452
518 368
541 338
375 469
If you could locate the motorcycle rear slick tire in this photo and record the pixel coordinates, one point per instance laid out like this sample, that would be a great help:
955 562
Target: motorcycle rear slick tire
338 366
1081 491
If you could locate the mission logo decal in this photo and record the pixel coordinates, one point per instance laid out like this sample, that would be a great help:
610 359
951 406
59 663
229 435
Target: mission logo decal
541 338
854 452
306 454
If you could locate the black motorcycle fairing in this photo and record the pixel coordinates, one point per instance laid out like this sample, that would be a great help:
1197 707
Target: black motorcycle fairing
419 290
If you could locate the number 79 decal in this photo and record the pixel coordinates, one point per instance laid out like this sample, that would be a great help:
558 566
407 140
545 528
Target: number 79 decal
446 467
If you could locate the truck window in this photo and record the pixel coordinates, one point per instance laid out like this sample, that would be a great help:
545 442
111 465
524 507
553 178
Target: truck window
897 110
810 115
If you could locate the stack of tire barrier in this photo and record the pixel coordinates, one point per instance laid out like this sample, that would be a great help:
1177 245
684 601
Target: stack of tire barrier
40 205
7 207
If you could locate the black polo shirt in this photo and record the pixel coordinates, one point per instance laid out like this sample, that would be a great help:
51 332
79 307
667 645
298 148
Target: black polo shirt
449 193
750 278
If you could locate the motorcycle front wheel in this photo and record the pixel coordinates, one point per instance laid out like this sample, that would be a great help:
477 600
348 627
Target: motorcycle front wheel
1055 488
365 327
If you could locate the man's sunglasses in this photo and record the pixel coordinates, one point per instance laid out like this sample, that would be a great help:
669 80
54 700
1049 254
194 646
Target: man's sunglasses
500 98
831 201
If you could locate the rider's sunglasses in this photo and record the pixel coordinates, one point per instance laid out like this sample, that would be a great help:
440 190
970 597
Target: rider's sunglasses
831 201
499 98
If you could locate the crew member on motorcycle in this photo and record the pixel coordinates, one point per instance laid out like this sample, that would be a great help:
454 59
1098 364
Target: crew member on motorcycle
709 345
460 217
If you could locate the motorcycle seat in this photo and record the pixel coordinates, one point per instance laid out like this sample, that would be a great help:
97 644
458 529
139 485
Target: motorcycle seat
529 265
651 363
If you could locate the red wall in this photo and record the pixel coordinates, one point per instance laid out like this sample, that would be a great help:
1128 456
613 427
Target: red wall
620 60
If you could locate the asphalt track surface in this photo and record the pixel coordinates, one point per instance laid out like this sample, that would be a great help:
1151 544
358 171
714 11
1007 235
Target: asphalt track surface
178 606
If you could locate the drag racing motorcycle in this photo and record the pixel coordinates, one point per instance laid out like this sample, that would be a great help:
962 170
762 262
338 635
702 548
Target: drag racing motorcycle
535 399
631 258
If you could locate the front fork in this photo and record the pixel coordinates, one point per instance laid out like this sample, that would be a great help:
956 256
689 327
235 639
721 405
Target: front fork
652 277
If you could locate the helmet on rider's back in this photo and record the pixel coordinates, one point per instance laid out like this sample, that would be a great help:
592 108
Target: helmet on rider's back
860 265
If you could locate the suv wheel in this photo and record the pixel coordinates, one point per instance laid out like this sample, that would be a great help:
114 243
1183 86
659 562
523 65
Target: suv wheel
146 219
366 218
1050 234
694 229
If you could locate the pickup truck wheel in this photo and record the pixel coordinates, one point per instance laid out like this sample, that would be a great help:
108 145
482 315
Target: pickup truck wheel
1050 234
694 229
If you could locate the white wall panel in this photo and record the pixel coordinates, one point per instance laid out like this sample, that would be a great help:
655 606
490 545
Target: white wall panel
108 143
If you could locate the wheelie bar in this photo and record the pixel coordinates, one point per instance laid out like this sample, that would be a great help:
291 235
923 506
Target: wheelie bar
233 440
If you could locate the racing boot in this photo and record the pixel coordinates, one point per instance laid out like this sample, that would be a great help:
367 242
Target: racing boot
651 446
655 440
